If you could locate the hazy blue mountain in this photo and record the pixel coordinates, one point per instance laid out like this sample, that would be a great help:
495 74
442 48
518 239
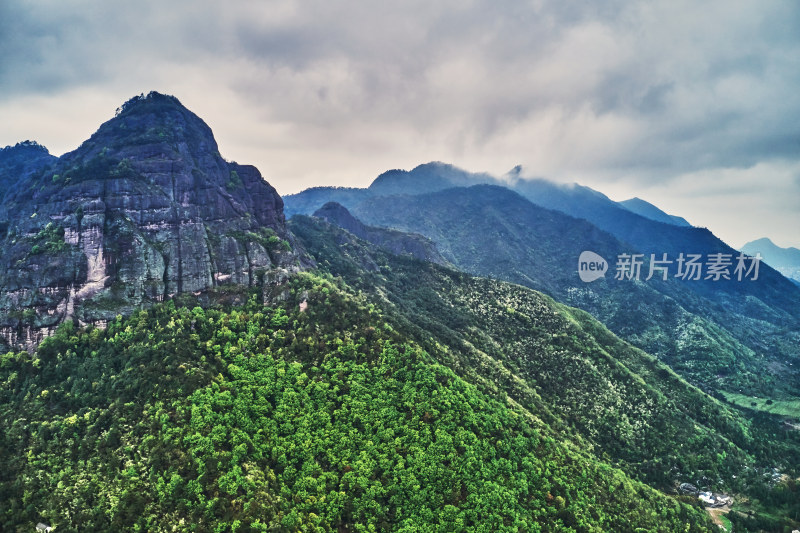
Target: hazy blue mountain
428 177
773 255
784 260
309 200
716 333
641 233
648 210
573 199
394 241
647 236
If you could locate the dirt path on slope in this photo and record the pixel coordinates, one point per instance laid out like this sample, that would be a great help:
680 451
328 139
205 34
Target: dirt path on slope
715 513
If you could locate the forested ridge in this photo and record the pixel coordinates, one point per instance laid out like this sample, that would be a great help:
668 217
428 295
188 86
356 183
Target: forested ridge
271 419
400 396
180 358
584 382
727 336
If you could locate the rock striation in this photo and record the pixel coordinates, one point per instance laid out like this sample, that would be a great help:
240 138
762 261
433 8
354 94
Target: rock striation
144 210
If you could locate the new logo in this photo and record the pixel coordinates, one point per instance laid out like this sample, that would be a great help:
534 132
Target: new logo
591 266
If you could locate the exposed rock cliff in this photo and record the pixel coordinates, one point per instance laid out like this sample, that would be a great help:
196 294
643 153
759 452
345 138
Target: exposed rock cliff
145 209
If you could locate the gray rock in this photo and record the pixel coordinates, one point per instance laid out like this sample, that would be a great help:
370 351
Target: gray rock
144 210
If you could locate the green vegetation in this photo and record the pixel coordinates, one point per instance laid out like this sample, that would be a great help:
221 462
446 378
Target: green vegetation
124 169
726 523
777 509
375 392
265 237
787 408
50 239
234 181
259 418
568 369
405 396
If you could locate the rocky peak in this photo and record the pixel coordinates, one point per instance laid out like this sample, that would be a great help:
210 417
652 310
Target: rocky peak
143 210
338 214
154 119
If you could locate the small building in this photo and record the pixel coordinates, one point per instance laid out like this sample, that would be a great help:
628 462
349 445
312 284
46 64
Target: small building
40 527
710 499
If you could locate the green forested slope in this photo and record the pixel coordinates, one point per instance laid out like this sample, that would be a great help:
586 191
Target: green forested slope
405 397
732 336
272 419
572 372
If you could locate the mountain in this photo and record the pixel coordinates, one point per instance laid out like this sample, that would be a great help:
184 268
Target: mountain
312 199
719 334
396 242
385 399
640 231
18 162
143 210
563 366
784 260
324 375
429 177
486 228
312 414
648 237
648 210
645 234
492 231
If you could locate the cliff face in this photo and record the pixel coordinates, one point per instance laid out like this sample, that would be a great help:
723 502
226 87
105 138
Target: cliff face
144 210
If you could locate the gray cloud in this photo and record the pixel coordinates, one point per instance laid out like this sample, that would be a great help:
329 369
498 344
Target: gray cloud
326 92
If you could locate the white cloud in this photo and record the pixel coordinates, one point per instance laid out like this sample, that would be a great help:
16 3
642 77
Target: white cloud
621 96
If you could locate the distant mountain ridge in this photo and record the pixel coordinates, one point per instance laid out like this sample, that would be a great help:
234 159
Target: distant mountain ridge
396 242
648 210
704 328
784 260
428 177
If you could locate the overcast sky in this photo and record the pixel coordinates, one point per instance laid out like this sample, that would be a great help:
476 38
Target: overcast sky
694 106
